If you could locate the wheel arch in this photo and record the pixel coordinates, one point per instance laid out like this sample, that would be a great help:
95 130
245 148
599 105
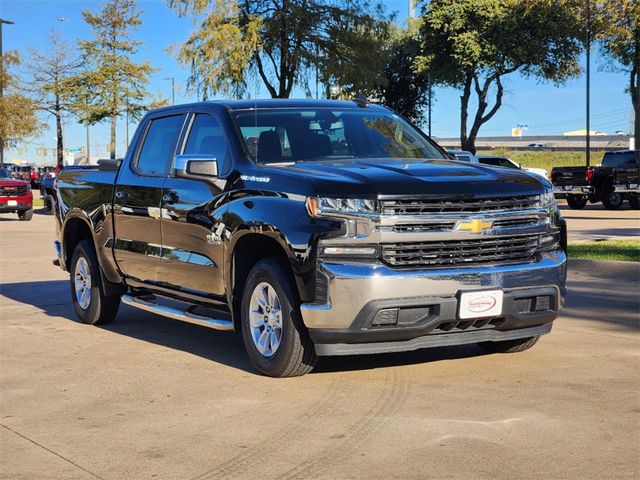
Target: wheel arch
77 228
245 251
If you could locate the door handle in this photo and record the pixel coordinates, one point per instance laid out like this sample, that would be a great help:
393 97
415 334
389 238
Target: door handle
170 198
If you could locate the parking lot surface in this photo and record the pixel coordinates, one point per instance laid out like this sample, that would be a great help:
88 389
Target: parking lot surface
147 397
595 222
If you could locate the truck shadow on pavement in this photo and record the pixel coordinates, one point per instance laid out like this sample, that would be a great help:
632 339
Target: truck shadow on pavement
227 348
586 302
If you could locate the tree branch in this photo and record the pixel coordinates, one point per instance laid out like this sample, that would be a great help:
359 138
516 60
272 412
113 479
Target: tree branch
265 80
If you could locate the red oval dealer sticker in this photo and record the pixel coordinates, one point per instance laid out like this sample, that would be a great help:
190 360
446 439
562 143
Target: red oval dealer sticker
481 304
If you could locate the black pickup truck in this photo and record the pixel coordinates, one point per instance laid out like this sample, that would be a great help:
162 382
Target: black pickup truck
313 228
615 181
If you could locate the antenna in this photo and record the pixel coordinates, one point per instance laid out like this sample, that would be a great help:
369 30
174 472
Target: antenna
361 100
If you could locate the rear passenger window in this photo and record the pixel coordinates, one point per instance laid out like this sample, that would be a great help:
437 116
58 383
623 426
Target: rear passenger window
159 145
206 138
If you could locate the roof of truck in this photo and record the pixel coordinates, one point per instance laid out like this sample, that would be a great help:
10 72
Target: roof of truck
283 103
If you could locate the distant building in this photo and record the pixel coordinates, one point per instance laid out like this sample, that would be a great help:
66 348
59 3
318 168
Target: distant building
582 132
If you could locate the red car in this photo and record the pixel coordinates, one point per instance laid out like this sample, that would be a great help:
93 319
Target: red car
15 196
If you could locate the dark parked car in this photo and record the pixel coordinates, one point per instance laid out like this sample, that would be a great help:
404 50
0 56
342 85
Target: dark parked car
342 230
612 183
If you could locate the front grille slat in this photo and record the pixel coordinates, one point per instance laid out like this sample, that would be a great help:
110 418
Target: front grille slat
13 191
423 206
461 252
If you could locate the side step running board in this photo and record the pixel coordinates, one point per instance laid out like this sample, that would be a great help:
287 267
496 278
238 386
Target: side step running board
177 314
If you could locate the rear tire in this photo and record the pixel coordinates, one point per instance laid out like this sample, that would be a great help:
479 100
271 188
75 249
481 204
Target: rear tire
274 334
577 202
510 346
91 305
612 200
634 201
25 215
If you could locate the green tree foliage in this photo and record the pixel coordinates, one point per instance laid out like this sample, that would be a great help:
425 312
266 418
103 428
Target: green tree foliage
18 112
617 28
111 83
389 75
473 44
275 41
50 70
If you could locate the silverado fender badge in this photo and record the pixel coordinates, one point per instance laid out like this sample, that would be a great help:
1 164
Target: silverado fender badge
475 225
215 238
252 178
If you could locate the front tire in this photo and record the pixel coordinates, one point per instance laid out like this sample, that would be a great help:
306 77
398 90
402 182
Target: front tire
576 202
510 346
275 337
49 205
25 215
92 306
612 200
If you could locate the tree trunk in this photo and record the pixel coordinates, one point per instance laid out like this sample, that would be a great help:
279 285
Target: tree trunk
112 148
480 118
60 143
464 109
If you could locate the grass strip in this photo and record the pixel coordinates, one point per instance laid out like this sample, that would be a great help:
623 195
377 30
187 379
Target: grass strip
620 250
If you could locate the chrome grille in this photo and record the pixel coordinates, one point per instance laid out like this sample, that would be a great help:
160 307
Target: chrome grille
13 191
422 206
492 250
448 226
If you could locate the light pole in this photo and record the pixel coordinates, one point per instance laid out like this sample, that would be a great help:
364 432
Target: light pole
2 22
173 89
588 48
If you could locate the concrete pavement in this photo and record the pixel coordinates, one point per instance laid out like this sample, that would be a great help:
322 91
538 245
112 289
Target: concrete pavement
147 397
594 222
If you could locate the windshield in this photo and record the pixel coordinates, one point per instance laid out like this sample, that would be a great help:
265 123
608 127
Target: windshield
292 135
4 173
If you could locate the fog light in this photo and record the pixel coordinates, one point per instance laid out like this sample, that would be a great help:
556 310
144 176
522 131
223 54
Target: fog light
387 316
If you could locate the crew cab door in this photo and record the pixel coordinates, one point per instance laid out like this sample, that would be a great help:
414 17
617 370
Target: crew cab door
138 197
192 227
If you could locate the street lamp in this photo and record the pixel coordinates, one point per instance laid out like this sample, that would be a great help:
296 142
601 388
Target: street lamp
173 89
2 22
588 49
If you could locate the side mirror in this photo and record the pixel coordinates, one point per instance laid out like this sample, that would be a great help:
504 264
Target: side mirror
195 166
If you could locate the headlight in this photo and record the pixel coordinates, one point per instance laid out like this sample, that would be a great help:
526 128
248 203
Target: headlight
548 199
323 206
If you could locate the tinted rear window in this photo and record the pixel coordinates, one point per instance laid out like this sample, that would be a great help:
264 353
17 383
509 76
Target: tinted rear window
623 159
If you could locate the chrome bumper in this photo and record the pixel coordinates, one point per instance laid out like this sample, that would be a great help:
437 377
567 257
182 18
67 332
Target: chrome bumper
352 286
628 188
576 190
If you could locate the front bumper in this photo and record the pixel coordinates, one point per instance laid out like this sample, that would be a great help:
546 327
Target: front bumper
16 204
426 305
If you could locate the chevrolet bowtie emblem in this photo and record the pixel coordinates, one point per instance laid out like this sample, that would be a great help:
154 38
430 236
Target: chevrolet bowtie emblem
475 225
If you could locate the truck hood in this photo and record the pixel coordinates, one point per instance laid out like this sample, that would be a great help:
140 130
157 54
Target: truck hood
10 182
372 177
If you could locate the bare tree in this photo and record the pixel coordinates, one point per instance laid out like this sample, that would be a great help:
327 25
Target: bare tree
50 70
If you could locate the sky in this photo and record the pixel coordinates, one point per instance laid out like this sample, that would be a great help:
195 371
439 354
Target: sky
545 108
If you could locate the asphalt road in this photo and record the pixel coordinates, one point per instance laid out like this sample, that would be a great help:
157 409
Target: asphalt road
147 397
